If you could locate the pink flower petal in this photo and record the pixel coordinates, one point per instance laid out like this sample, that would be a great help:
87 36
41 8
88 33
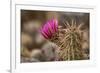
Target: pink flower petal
49 28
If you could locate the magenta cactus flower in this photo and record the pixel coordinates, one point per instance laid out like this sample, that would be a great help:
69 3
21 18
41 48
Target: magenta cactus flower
50 28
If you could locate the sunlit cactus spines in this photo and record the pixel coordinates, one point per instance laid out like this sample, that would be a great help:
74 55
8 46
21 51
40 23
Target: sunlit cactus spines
71 43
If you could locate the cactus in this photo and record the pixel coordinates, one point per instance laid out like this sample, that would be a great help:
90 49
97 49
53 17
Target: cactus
69 40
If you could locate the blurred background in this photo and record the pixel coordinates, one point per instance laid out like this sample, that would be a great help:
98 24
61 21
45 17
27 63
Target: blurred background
34 47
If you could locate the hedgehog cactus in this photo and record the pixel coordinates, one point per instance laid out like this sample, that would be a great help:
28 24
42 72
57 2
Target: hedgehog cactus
71 43
69 39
